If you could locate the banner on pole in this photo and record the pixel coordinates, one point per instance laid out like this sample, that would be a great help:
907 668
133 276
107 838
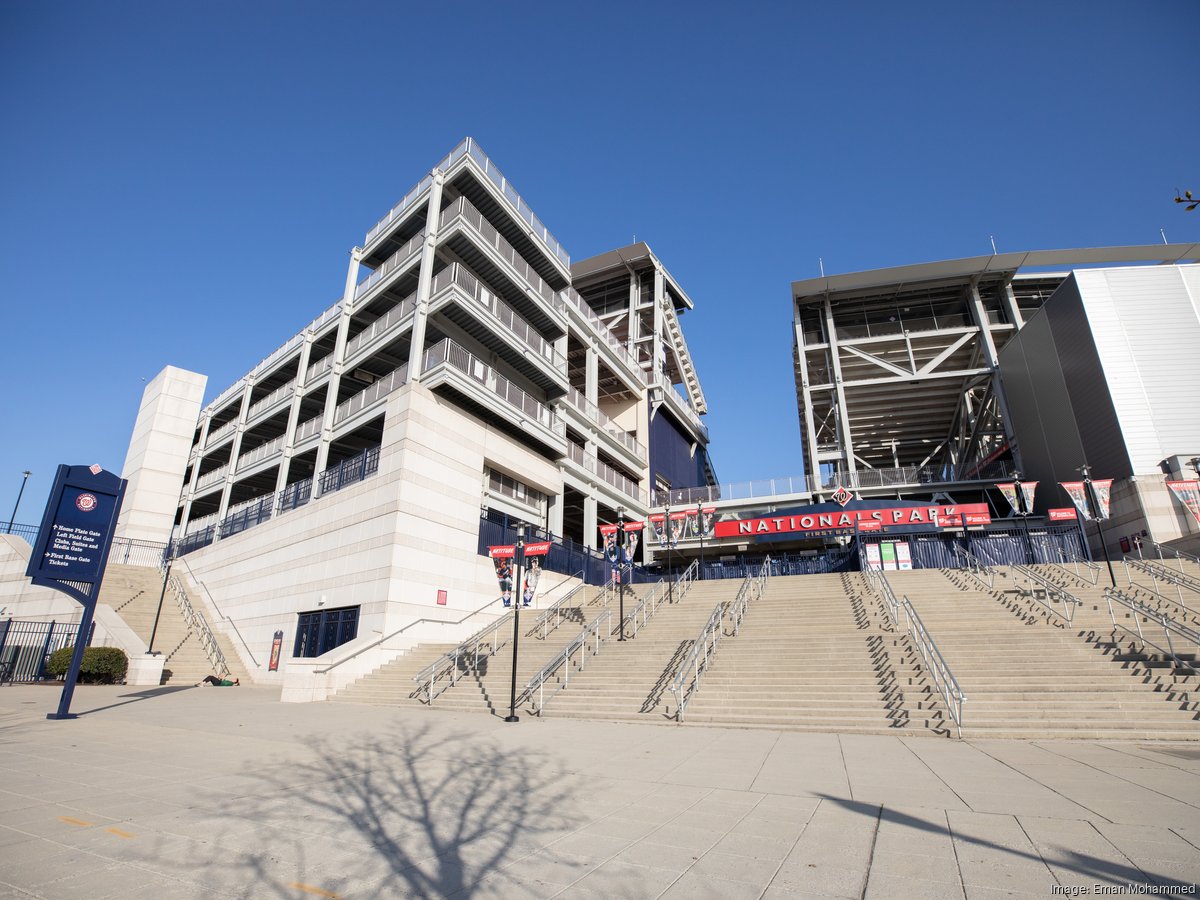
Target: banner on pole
1187 493
1102 496
1077 491
1009 491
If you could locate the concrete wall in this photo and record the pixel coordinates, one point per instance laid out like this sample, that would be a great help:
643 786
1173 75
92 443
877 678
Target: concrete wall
158 453
387 544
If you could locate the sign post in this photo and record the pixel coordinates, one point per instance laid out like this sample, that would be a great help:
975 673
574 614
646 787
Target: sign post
71 549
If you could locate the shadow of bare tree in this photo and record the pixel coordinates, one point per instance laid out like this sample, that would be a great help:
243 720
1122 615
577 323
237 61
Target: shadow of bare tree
407 812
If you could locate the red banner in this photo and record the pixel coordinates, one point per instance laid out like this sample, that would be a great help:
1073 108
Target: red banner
935 516
634 526
1063 514
1187 493
608 529
507 551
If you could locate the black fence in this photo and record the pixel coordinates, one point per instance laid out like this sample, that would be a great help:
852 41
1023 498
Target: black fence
248 516
565 557
125 551
25 647
350 471
994 547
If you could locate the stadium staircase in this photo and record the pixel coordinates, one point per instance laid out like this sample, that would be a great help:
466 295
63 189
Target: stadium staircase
486 686
133 592
817 653
1028 673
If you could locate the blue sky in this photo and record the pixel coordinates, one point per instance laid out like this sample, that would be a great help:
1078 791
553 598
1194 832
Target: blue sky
169 169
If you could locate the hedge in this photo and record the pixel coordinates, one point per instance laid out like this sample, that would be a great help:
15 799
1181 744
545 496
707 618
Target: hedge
101 665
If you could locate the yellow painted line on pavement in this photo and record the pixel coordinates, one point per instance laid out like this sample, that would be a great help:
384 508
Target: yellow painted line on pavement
77 822
119 833
309 889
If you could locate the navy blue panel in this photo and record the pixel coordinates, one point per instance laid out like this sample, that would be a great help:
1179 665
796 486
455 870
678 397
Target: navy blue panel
671 455
77 526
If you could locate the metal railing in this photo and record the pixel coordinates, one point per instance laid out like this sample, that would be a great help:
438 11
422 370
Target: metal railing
1157 571
232 624
261 452
985 575
463 208
215 437
1081 568
462 659
307 429
905 617
680 403
281 392
409 252
319 368
456 275
381 326
645 610
591 634
1035 583
396 211
699 658
542 627
1169 626
368 395
605 472
210 478
194 619
627 439
458 357
1177 555
25 647
603 332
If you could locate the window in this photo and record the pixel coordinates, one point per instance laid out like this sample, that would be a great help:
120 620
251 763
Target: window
320 631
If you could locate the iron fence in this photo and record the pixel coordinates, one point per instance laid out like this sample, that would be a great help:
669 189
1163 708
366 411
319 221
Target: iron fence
25 647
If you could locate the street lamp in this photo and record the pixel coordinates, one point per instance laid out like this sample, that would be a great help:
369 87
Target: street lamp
1023 512
1093 504
25 477
620 562
518 560
670 542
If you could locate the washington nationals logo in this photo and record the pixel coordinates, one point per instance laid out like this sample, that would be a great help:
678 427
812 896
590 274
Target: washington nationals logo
86 502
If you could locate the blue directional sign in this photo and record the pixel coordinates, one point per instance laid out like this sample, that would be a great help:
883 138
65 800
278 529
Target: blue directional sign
71 549
77 526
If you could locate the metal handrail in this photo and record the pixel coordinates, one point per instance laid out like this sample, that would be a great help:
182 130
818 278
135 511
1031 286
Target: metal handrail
554 610
579 644
975 568
195 620
699 658
934 663
1169 625
1050 589
1072 558
250 653
1176 554
645 609
1157 570
450 660
1164 599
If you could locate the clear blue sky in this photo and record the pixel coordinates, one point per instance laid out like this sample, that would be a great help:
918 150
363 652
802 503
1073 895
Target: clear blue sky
172 168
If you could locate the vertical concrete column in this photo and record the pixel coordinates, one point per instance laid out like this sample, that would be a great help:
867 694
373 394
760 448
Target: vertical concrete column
589 522
554 514
843 414
657 349
285 459
634 324
235 448
416 353
190 495
591 376
335 373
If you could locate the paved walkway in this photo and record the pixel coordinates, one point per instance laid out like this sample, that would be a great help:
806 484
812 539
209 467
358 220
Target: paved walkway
205 792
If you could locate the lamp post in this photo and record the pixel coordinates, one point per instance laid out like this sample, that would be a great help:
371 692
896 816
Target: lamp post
670 541
620 562
24 478
700 529
1094 506
1023 512
518 559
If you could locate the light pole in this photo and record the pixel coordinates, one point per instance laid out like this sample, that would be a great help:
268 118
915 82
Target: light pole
24 478
1094 506
620 563
1023 512
700 528
667 532
518 559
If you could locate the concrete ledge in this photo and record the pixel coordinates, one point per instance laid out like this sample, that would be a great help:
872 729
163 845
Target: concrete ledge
145 669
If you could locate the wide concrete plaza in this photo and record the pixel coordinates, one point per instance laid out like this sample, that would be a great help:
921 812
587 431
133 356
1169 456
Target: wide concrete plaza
206 792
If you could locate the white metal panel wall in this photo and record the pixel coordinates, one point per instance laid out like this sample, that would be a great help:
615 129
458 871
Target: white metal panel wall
1147 332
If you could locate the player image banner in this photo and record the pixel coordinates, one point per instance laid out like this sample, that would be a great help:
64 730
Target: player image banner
1187 493
1077 491
1010 494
